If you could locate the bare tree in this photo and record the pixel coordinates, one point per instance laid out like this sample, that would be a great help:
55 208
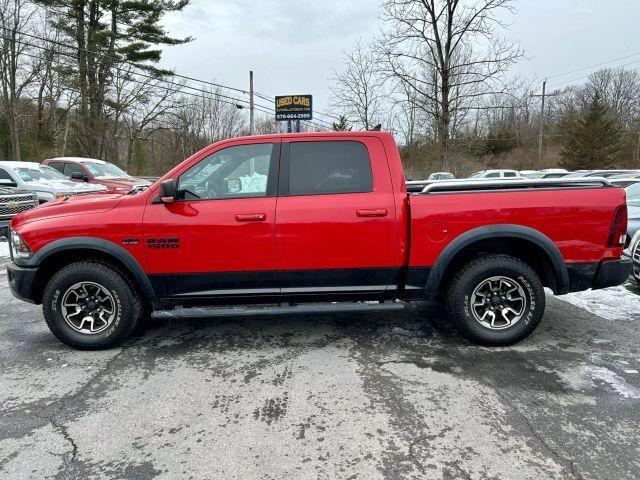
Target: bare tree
16 71
359 91
450 53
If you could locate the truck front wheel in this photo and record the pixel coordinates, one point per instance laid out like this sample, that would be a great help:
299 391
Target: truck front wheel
496 300
90 306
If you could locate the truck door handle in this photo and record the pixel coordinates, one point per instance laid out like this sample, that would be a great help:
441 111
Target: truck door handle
251 217
372 212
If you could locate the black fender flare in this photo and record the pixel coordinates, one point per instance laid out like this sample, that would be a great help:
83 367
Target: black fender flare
493 232
105 247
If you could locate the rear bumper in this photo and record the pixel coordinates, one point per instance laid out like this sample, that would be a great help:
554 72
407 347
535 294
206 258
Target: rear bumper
608 273
21 281
612 272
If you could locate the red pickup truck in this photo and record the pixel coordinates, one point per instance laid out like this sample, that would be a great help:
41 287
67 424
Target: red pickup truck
309 223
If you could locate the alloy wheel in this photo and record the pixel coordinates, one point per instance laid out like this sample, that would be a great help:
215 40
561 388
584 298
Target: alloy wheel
498 302
88 307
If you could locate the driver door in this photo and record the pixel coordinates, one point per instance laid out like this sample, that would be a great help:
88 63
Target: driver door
218 238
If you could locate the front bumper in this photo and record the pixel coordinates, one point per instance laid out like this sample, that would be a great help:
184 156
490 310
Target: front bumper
634 276
21 280
612 273
4 228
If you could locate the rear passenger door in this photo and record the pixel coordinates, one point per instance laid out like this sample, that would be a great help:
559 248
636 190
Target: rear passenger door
335 217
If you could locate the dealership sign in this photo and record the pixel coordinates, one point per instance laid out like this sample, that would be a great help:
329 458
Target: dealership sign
294 107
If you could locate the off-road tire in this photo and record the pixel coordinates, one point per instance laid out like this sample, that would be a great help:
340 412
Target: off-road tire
128 313
464 282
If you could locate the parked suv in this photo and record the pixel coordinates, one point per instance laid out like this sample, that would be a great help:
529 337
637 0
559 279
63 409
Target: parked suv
45 181
91 170
12 202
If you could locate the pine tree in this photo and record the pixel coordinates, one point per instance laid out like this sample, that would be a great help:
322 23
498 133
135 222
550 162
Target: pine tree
341 125
591 142
106 33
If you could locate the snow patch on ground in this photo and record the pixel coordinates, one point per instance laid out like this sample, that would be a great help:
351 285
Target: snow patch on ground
615 303
585 376
4 249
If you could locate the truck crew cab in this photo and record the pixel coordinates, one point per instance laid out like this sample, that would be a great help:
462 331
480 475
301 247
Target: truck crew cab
314 222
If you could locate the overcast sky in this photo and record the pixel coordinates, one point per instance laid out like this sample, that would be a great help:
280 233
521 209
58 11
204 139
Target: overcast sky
293 46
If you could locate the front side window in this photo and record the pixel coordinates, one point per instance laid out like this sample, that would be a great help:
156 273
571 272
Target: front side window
234 172
7 180
317 168
492 175
105 170
57 165
71 169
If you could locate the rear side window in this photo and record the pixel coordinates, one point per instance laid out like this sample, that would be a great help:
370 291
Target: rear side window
509 174
317 168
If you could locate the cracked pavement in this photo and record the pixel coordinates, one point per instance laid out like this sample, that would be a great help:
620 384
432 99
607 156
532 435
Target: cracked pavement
397 395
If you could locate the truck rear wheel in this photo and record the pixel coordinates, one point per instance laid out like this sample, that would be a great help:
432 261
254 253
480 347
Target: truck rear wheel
91 306
496 300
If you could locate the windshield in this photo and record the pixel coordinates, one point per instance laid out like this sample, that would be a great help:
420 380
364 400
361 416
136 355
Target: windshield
633 194
104 170
40 172
477 174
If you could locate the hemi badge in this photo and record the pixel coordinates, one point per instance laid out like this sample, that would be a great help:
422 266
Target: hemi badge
130 241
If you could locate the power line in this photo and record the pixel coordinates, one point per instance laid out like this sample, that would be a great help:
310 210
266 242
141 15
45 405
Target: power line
593 66
317 123
199 92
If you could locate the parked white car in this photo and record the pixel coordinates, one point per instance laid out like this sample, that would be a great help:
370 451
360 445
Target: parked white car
496 174
441 176
46 182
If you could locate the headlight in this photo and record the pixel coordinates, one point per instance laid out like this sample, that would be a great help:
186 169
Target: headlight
19 247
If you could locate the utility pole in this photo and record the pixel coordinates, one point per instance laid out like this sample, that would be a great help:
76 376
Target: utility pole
251 120
540 139
544 92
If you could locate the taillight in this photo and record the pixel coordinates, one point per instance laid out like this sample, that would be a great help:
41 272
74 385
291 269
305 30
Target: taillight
618 231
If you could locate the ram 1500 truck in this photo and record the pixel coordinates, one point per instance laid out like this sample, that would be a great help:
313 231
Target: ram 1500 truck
310 223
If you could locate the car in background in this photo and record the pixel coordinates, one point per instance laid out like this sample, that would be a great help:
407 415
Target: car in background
441 176
601 173
12 202
624 180
91 170
633 210
530 173
46 182
633 252
553 173
496 174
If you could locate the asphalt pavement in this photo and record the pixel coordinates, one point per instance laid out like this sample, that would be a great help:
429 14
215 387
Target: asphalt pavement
398 395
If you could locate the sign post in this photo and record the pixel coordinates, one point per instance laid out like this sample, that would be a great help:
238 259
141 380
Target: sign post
294 107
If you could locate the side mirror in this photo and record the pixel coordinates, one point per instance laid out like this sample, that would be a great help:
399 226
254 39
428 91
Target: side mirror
79 176
168 191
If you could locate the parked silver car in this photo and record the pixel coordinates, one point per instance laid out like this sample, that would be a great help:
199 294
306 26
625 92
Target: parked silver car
46 182
13 202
